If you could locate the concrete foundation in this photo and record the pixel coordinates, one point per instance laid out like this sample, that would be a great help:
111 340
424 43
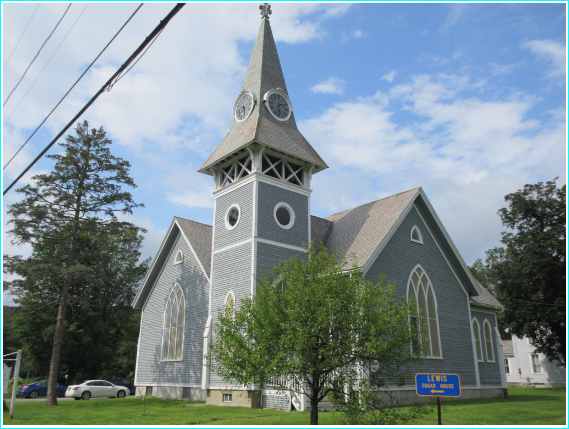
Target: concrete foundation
169 392
239 398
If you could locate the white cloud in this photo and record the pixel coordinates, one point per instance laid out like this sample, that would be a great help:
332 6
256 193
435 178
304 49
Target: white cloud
466 152
358 34
331 85
389 76
551 51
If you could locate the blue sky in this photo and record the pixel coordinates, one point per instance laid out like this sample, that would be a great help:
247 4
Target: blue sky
467 100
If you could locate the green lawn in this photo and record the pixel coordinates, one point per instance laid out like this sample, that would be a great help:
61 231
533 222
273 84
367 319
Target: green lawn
527 406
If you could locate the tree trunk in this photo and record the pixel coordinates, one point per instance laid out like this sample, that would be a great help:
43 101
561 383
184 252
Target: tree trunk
314 410
57 340
60 325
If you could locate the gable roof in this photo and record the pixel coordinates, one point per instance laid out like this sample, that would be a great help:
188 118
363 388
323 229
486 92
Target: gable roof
197 235
361 229
200 236
263 74
365 230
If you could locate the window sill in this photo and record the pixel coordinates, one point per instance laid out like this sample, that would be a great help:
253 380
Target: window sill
172 360
434 357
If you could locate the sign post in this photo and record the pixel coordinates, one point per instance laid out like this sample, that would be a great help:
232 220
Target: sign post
438 385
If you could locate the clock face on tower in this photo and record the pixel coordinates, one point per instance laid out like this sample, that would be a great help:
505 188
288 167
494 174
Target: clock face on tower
278 104
244 106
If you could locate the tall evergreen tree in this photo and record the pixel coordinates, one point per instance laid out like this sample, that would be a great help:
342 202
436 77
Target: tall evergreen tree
81 197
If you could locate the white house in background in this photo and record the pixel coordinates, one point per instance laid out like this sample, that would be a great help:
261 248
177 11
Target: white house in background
525 366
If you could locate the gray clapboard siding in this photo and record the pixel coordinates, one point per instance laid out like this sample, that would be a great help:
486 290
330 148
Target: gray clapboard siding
269 196
243 231
195 286
268 255
232 272
489 371
397 261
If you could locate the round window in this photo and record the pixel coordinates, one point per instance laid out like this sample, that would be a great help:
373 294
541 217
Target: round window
284 215
232 217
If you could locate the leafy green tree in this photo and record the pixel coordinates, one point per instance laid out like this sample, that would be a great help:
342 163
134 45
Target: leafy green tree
61 211
529 275
320 323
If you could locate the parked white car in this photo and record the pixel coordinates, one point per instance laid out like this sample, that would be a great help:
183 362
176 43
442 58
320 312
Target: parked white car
96 389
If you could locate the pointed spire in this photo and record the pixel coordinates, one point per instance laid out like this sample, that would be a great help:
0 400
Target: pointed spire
263 74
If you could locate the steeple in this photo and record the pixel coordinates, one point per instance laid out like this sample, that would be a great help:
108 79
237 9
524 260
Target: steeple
260 128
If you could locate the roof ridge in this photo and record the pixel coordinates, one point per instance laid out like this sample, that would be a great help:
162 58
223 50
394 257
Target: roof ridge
321 218
373 202
189 220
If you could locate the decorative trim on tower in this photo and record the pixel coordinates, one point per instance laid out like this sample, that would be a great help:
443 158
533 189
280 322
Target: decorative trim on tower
274 129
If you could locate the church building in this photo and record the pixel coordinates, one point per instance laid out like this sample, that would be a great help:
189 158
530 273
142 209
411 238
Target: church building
262 171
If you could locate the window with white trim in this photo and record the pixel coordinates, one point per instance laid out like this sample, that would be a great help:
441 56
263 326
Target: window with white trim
227 397
416 235
421 291
284 215
507 365
173 333
232 216
230 305
488 341
478 345
535 363
179 258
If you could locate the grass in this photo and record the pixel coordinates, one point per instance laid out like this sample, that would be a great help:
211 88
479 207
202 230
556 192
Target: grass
527 406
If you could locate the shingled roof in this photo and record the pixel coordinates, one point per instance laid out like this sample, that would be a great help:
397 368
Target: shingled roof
264 73
360 230
485 299
199 235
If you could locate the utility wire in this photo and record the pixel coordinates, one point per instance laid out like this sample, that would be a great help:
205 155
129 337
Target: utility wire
48 37
135 54
73 86
44 67
22 35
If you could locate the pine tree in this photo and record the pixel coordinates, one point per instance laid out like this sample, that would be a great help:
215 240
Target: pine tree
81 197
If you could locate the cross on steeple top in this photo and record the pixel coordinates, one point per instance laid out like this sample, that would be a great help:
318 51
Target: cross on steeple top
265 10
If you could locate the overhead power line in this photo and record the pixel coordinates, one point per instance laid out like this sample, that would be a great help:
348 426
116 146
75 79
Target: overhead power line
48 37
73 86
135 54
22 35
46 64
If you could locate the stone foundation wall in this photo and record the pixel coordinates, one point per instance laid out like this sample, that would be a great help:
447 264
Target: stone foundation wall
168 392
240 398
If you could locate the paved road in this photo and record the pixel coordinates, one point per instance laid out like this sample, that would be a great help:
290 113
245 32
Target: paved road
42 399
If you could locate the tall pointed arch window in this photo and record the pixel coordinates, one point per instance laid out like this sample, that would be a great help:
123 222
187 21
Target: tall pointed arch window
477 343
173 333
421 291
488 341
230 305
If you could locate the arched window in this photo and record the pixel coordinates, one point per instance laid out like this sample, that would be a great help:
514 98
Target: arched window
476 330
416 235
488 341
173 335
179 258
421 290
230 305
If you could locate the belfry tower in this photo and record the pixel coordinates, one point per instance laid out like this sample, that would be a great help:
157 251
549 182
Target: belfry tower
261 171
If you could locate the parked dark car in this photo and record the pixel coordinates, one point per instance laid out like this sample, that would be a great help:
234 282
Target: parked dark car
122 382
39 388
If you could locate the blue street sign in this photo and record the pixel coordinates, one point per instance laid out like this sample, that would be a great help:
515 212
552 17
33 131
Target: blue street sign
437 384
